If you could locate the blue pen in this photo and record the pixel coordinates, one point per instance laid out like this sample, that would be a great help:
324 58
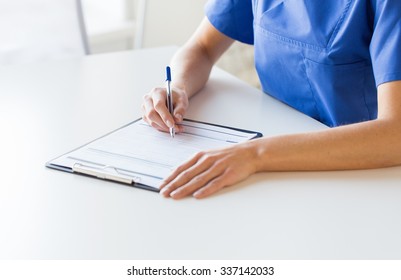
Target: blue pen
169 97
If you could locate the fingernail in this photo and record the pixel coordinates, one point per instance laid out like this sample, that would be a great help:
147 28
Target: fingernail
178 117
174 194
164 193
170 124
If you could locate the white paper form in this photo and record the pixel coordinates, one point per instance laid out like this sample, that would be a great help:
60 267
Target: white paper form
145 155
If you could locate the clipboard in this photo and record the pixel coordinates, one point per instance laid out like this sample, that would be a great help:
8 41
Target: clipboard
140 156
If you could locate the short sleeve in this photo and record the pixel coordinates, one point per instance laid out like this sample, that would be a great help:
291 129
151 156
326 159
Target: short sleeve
385 46
234 18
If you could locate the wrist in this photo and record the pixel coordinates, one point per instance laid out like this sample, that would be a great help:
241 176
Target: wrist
179 89
255 151
263 159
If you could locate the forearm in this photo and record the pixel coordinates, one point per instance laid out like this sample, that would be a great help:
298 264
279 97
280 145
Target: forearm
191 66
366 145
194 61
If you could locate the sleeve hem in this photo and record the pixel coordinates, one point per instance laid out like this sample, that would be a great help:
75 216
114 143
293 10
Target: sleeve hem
388 77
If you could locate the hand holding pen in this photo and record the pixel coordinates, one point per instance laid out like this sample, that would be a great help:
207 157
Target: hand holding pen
155 106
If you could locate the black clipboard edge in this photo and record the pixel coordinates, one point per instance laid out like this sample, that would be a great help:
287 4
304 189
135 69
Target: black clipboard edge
258 134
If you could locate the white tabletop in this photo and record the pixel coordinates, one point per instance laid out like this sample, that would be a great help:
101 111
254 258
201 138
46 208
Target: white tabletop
49 109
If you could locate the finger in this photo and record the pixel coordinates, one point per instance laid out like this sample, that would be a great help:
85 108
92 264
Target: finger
179 128
151 116
180 104
197 183
178 118
153 124
176 183
212 187
194 178
186 173
179 111
159 103
181 169
228 178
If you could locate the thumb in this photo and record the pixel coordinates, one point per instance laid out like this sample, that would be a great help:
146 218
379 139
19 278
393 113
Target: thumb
180 110
181 105
179 113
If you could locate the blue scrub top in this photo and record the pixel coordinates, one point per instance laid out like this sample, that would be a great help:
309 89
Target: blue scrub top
324 58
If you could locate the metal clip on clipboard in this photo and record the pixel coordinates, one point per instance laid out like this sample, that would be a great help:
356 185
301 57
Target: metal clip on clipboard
108 173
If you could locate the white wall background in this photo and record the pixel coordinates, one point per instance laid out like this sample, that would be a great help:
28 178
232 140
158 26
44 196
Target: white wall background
171 21
111 24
